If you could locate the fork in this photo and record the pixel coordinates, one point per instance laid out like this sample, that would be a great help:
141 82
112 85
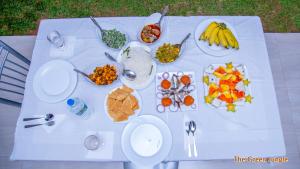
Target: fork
188 131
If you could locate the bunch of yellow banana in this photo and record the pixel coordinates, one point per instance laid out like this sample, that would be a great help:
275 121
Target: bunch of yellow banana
218 33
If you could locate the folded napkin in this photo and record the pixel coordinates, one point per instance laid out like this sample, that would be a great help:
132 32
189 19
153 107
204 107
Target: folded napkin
186 120
59 118
105 151
66 51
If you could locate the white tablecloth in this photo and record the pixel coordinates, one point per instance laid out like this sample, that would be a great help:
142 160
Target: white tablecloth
254 129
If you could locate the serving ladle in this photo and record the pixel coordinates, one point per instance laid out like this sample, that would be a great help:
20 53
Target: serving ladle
128 74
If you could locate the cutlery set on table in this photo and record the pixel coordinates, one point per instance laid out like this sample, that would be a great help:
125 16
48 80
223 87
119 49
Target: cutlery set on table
191 140
43 120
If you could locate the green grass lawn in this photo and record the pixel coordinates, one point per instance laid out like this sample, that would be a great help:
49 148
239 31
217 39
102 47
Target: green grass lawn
21 17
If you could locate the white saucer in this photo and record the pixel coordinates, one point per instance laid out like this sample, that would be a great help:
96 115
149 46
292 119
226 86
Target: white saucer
54 81
134 134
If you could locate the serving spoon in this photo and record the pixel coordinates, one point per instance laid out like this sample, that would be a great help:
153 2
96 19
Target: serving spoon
128 74
97 24
84 74
81 72
163 13
182 42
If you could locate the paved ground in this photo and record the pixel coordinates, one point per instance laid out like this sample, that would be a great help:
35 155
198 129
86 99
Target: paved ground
284 54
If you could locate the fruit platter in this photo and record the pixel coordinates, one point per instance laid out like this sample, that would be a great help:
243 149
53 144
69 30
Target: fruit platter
176 91
226 86
216 37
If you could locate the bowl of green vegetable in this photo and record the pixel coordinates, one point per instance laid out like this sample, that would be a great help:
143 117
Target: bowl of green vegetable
112 37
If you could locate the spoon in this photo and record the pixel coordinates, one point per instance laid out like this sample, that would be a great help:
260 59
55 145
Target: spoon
96 23
49 123
47 117
128 74
163 13
81 72
192 127
182 42
84 74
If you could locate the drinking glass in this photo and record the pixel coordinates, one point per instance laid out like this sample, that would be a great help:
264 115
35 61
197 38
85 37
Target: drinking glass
56 39
93 142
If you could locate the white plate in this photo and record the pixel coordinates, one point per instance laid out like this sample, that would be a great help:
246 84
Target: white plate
54 81
183 108
129 83
152 19
107 26
162 152
213 50
136 112
146 140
